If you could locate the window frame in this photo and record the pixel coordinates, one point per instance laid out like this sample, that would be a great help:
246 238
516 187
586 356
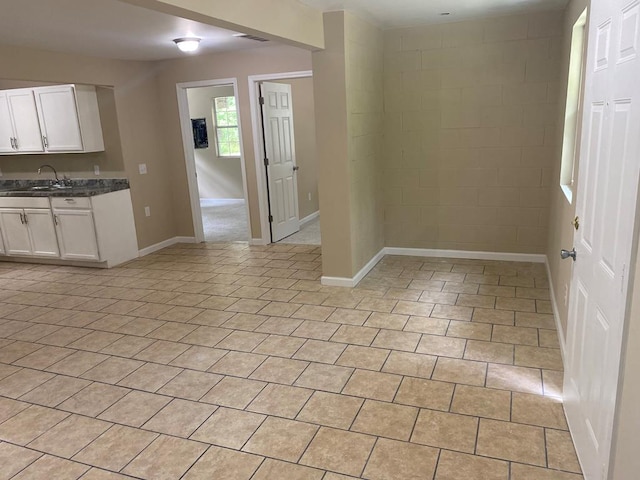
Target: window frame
220 128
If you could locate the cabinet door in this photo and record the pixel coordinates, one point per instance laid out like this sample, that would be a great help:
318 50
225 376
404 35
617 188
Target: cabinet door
14 232
76 234
59 118
25 120
6 127
42 233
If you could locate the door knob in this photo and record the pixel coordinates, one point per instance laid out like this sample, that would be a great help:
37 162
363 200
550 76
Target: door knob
296 168
564 254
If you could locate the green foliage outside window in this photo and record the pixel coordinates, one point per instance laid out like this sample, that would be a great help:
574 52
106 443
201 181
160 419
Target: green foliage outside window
225 115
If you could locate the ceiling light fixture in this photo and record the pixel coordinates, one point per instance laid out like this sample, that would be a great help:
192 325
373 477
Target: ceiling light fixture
187 44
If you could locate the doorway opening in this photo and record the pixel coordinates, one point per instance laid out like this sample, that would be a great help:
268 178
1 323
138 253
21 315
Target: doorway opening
283 119
215 161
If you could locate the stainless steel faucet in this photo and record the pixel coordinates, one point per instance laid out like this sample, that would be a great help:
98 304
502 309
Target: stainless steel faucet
55 174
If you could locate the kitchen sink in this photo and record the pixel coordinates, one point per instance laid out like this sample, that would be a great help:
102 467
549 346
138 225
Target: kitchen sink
42 188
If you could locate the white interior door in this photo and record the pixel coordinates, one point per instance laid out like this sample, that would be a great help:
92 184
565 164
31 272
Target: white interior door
277 120
606 202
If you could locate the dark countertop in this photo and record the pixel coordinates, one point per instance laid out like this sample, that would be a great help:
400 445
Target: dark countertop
79 188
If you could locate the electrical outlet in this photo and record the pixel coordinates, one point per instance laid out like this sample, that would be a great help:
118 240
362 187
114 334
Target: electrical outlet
147 211
142 168
566 294
96 169
309 196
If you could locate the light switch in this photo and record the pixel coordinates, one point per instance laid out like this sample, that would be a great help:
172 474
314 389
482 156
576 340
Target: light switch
147 211
96 169
142 168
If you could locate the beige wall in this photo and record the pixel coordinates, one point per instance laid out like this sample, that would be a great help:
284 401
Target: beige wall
305 138
218 177
136 96
470 118
364 66
241 64
561 212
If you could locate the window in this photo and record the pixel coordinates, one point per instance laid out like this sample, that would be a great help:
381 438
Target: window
572 110
225 116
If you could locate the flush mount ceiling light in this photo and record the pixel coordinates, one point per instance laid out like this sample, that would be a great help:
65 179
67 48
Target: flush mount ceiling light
187 44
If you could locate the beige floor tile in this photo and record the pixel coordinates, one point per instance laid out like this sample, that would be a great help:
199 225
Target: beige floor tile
95 341
527 472
385 420
245 321
70 436
150 377
481 301
211 318
172 331
460 371
516 304
544 306
561 454
55 391
206 336
167 458
442 298
17 350
455 466
320 351
233 392
64 336
355 335
441 346
421 309
324 377
116 447
112 370
390 321
52 467
275 469
432 326
330 410
482 402
238 364
548 338
279 326
446 430
316 330
538 410
515 335
9 408
452 312
374 385
489 352
280 400
30 424
511 441
497 317
223 464
35 332
517 379
44 357
279 345
97 474
404 341
13 459
459 287
537 357
135 408
281 439
469 330
391 459
127 346
498 291
339 451
243 341
363 357
180 418
279 370
162 351
535 320
410 364
425 393
94 399
348 316
552 381
228 428
190 385
198 358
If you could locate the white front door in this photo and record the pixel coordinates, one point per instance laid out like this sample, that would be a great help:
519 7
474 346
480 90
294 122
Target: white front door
279 145
607 193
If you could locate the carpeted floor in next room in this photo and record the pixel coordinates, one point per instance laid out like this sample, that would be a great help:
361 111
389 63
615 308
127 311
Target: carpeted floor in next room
224 220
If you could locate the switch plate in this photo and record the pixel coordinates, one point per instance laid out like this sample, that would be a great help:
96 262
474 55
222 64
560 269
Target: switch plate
309 196
96 169
147 211
142 168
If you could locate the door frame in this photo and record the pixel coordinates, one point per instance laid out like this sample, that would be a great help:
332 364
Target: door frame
258 147
189 153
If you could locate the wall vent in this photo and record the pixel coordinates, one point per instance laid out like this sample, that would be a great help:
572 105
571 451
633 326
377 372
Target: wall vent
252 37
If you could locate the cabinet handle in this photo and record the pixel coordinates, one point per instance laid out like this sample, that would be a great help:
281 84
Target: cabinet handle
26 221
15 142
44 141
55 219
21 219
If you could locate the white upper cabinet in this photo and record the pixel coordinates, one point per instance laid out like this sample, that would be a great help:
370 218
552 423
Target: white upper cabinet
55 119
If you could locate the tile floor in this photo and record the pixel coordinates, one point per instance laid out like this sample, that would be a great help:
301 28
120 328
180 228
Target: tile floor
223 361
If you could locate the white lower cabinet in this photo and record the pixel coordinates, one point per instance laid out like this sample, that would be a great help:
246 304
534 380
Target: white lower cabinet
28 231
76 234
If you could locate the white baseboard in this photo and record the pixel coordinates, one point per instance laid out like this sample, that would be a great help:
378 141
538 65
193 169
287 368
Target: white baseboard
352 282
164 244
258 241
434 252
309 218
556 314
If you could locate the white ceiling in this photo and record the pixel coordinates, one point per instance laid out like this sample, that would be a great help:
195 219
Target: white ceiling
407 13
107 28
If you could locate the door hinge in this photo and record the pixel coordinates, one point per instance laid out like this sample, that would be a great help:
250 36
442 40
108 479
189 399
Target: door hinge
270 218
266 162
261 100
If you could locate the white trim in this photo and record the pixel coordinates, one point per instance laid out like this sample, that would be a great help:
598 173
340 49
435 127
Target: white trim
257 241
556 313
309 218
500 256
263 201
189 157
164 244
352 282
